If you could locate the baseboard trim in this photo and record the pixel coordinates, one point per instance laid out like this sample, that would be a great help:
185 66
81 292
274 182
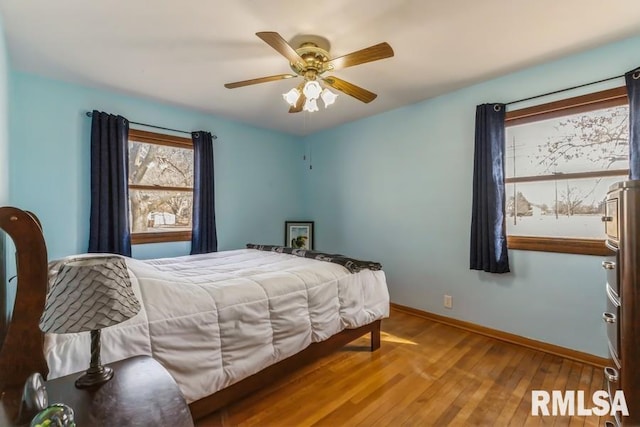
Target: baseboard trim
567 353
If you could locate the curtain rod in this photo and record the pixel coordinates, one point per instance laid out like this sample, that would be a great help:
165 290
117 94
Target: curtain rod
89 114
564 90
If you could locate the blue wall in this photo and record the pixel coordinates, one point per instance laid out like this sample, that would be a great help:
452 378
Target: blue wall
50 148
397 188
4 120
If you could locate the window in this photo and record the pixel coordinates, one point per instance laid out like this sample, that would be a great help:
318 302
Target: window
160 187
560 160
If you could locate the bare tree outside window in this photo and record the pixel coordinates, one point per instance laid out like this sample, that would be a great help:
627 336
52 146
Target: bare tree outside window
160 186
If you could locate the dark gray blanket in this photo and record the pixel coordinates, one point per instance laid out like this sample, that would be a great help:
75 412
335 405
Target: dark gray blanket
351 264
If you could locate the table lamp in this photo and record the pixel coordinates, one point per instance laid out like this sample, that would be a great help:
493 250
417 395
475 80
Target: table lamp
88 294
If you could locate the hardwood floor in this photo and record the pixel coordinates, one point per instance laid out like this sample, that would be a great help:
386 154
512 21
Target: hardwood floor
425 374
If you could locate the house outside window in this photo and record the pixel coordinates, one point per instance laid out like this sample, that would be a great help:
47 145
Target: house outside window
560 160
160 187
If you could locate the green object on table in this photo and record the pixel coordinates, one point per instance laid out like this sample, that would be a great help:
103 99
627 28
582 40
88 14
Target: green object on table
55 415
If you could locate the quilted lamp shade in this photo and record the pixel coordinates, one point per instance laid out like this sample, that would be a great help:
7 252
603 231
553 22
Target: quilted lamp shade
88 294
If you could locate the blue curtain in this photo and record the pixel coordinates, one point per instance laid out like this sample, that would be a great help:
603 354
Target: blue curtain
488 234
203 237
633 90
109 220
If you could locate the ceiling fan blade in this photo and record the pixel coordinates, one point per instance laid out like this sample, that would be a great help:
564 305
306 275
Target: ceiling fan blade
372 53
300 102
298 107
276 41
260 80
350 89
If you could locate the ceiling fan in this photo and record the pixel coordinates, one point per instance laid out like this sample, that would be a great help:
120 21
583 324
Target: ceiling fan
310 61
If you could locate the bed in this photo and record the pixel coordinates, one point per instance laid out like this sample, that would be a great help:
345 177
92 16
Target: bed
227 323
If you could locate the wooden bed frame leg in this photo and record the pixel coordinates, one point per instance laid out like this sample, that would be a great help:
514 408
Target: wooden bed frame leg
375 335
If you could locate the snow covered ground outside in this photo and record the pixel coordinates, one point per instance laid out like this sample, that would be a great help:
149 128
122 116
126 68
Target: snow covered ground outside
578 226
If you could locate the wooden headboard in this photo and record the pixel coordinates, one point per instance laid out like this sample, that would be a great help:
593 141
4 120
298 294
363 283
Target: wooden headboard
21 353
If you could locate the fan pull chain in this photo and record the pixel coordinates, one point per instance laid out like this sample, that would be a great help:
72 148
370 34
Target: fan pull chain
304 128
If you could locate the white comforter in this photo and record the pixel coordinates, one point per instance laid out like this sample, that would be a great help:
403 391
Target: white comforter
215 319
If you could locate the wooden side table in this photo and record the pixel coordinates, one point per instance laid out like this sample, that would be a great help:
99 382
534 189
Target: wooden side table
141 393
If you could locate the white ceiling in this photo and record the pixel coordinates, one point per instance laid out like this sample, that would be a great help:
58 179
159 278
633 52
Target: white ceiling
182 52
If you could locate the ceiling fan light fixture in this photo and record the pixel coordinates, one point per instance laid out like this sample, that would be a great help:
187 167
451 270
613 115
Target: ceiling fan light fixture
312 89
310 105
292 96
328 97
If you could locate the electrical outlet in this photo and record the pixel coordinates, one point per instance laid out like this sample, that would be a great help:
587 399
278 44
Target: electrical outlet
448 301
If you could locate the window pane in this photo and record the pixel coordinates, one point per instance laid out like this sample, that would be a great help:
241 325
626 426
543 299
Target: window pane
592 141
160 211
153 164
561 208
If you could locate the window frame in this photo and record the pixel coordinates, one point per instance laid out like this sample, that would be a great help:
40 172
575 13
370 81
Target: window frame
580 104
169 141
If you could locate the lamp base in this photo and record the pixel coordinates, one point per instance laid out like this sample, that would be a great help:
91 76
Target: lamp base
95 377
96 374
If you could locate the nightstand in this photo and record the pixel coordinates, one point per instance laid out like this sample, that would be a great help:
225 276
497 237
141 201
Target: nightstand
141 393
